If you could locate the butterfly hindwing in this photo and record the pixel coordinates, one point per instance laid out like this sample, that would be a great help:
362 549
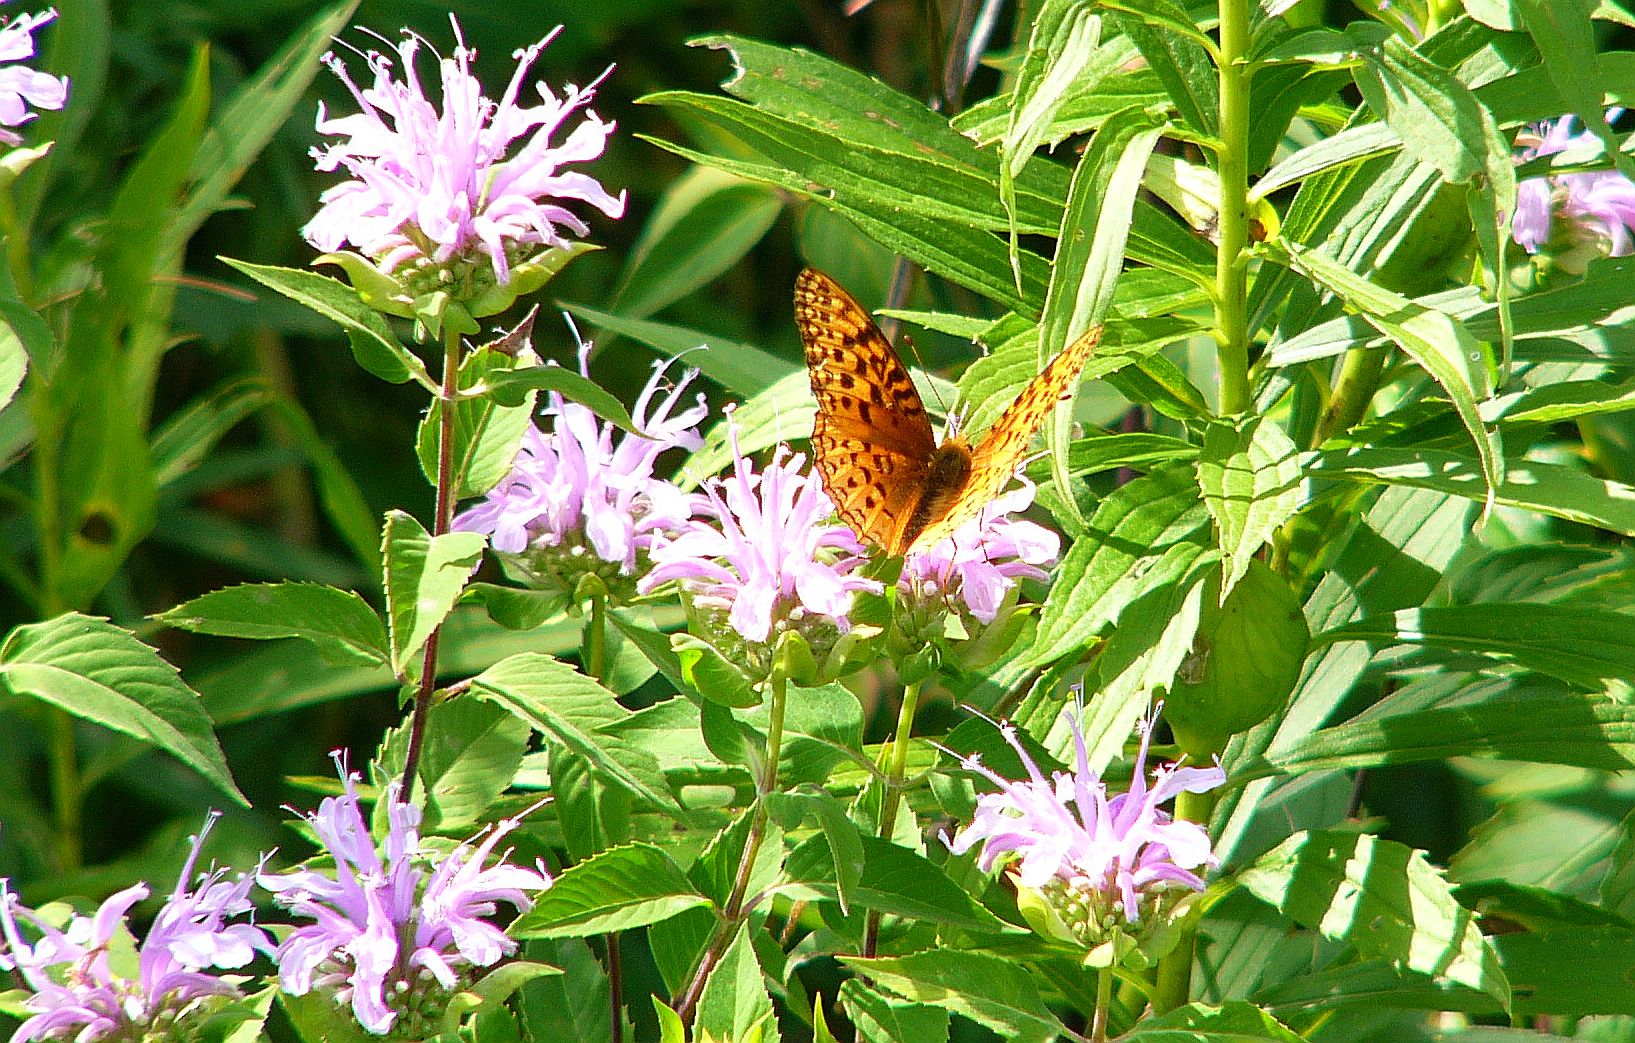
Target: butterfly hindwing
871 440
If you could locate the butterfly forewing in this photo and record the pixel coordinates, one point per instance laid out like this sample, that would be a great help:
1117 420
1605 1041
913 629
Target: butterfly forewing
871 441
994 459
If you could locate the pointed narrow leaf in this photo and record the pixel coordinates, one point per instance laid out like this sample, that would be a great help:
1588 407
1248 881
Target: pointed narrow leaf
103 674
885 1019
625 887
338 622
486 431
570 708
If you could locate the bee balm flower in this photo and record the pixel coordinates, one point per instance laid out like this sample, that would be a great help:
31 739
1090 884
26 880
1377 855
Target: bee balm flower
445 189
1575 216
21 86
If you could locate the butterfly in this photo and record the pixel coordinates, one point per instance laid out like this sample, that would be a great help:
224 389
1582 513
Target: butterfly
872 441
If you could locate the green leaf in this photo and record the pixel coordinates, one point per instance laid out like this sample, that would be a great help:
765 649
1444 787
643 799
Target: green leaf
471 752
1438 342
1553 489
1249 473
1581 646
1383 899
338 492
880 1018
1565 37
424 577
988 989
338 622
570 708
705 222
571 1005
96 671
845 842
513 386
486 433
1525 724
1231 1022
1617 891
782 412
1572 971
187 436
13 361
734 1004
708 673
594 814
374 345
894 880
1132 530
738 366
626 887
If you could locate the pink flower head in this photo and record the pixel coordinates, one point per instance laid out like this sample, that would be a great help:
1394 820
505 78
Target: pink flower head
439 185
81 992
380 920
1570 207
1065 829
762 550
576 484
987 556
21 86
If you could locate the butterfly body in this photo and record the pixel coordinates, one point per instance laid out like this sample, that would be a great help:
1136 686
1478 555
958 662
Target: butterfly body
872 441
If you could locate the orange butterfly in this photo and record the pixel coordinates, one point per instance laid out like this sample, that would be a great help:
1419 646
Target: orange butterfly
872 442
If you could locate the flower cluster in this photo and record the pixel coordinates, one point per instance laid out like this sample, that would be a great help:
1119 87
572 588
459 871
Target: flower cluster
436 187
982 562
21 86
83 986
1101 865
1576 217
581 499
761 552
390 937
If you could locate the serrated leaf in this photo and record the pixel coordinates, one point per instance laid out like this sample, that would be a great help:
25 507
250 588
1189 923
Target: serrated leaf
1558 490
1249 473
1553 727
894 880
1380 897
471 752
988 989
625 887
570 708
374 345
880 1018
338 622
96 671
1229 1022
425 575
734 1004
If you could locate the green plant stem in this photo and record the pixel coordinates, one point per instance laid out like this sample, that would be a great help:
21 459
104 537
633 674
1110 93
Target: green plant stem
596 639
891 800
1353 391
595 663
1173 983
1232 167
733 915
1104 1001
442 519
66 789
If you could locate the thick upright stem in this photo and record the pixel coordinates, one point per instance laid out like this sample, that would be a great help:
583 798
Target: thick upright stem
442 519
892 799
733 914
1231 260
1173 983
1104 1000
